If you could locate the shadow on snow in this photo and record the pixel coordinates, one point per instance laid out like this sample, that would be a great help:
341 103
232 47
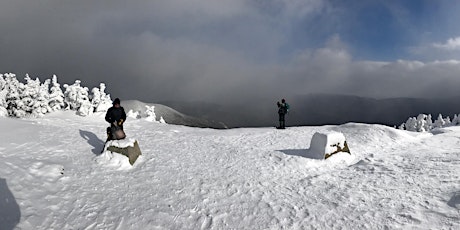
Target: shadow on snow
93 140
454 201
10 213
301 153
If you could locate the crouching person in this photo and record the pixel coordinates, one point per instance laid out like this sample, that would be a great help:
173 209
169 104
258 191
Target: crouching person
116 116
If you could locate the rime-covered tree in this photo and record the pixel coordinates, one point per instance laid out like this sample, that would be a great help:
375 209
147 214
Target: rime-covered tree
75 95
447 122
42 101
421 123
455 120
34 97
150 112
440 122
56 97
86 108
13 96
3 92
429 123
99 99
411 124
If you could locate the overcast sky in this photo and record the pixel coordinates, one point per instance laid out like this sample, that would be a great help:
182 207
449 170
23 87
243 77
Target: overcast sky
225 50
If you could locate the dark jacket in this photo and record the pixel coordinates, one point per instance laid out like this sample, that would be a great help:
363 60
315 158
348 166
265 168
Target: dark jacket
115 114
282 108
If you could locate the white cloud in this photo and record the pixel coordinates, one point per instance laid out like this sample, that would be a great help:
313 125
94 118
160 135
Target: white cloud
178 49
450 44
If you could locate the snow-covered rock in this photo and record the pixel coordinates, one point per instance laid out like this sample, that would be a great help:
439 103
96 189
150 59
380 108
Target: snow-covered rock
120 153
326 144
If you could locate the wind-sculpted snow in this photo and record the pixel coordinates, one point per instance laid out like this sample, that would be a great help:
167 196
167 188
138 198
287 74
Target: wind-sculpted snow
247 178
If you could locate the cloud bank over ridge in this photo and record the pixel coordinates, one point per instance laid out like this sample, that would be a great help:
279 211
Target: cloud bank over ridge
232 50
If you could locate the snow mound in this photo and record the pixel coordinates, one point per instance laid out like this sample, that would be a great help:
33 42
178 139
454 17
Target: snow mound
120 161
341 158
323 145
50 172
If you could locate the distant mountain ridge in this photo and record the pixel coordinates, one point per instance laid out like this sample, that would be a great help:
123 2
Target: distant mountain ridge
170 115
339 109
321 109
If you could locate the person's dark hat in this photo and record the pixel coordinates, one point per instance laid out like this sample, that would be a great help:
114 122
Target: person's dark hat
116 101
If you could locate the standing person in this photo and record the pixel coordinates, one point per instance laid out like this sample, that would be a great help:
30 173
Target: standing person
116 116
283 108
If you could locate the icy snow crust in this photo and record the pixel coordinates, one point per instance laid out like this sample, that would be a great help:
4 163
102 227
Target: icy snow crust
248 178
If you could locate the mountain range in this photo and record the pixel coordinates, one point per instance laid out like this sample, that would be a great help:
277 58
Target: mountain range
319 109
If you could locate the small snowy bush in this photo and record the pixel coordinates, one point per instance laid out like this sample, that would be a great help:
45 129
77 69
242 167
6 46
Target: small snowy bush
424 123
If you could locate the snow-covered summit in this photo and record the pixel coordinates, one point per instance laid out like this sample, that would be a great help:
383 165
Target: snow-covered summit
246 178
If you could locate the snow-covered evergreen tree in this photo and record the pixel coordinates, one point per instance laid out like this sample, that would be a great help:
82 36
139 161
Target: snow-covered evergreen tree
150 112
447 122
455 120
3 92
100 100
440 122
13 98
56 97
133 114
42 102
429 123
2 82
29 96
35 97
86 108
421 123
411 124
75 95
425 123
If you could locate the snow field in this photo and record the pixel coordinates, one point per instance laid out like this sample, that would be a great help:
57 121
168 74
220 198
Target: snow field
249 178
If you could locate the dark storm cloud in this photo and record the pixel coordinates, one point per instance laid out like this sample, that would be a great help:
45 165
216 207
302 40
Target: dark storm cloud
202 50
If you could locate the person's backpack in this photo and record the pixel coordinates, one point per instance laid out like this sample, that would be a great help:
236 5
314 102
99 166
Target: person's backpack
117 133
287 107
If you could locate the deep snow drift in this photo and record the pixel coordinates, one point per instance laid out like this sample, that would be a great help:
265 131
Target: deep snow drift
248 178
